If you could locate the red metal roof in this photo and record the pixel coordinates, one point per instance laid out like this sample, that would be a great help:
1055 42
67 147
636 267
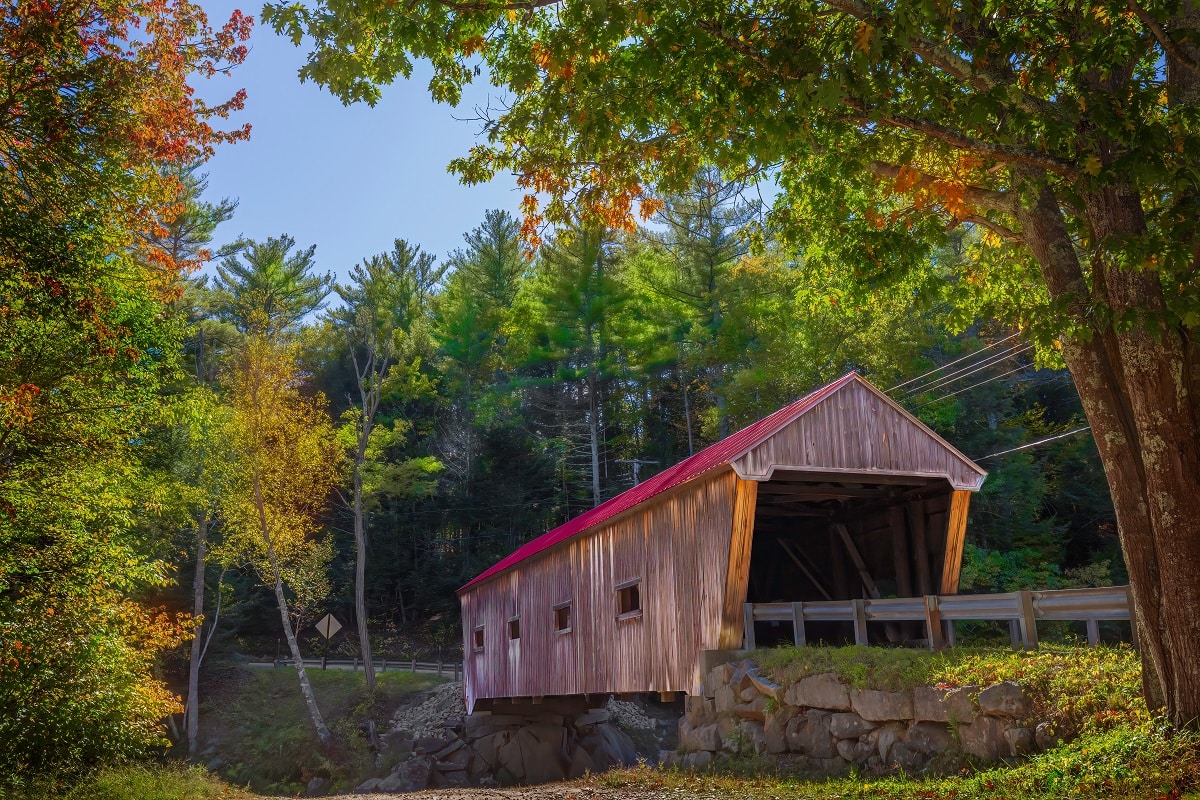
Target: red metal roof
716 455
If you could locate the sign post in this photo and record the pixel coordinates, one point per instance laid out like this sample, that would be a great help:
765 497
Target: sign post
327 626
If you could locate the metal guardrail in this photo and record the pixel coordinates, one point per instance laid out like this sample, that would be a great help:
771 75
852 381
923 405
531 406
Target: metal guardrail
452 669
1022 610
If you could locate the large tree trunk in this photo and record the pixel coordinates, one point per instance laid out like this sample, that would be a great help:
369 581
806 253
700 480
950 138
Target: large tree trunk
1137 398
191 713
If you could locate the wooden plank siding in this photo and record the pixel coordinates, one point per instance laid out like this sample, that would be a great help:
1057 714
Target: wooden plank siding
857 429
679 547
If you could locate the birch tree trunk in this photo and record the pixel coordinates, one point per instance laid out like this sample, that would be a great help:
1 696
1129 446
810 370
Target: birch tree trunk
191 714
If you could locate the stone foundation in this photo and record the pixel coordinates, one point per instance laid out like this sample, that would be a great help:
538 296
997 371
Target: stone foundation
833 725
514 744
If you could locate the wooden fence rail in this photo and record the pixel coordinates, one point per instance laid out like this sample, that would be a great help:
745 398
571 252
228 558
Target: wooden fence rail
449 669
1022 611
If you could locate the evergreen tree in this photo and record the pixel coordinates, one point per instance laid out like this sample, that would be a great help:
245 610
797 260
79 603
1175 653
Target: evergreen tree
265 288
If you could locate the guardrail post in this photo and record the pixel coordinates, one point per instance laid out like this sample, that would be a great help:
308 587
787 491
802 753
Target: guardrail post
1014 633
1029 636
383 666
798 625
1133 631
951 637
860 621
439 667
748 642
933 623
414 664
323 660
1093 632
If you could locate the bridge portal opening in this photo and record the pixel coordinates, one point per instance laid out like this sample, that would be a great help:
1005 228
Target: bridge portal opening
841 536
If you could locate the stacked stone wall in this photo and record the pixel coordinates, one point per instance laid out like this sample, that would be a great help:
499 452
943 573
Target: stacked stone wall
832 725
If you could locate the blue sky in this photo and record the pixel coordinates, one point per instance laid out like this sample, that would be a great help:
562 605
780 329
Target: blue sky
347 179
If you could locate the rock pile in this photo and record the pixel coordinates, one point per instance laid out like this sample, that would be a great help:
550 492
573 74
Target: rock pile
437 746
630 716
833 725
443 707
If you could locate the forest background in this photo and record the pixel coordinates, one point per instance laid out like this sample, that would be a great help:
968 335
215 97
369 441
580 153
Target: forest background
269 426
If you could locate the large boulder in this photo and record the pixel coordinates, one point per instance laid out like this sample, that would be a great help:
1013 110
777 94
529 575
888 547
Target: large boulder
755 709
704 738
931 704
699 711
823 691
766 686
906 758
1021 741
1005 699
877 706
810 736
984 738
848 725
609 747
775 727
542 753
368 786
854 750
929 738
725 699
718 676
581 763
488 747
884 738
411 776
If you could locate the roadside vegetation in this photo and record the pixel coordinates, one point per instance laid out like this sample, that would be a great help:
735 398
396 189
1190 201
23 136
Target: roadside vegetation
260 737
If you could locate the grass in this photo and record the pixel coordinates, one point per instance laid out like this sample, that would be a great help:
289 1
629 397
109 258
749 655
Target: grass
265 738
145 782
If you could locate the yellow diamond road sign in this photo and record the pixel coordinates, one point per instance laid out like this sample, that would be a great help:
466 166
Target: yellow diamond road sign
328 626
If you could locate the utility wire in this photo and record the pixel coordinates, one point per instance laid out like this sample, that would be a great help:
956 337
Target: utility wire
973 385
955 361
1035 444
971 369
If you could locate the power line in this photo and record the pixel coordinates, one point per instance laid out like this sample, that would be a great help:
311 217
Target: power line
972 386
1034 444
955 361
971 369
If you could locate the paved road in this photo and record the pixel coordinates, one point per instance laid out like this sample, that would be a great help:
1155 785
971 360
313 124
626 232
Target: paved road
393 666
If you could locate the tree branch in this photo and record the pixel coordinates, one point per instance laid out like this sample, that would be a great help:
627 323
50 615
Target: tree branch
1160 34
989 199
996 228
944 58
1000 152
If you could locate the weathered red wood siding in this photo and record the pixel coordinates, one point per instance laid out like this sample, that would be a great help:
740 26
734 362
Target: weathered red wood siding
678 545
857 429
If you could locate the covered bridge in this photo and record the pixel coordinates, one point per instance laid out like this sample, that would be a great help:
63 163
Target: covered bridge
840 495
